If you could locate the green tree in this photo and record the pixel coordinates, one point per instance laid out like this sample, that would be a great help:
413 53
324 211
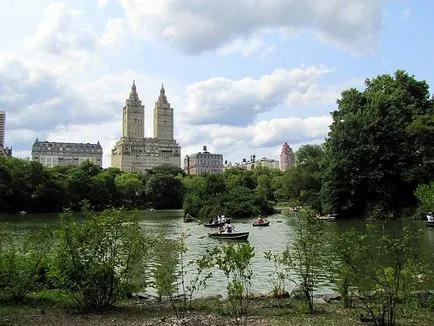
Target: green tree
131 187
425 195
165 191
369 153
264 186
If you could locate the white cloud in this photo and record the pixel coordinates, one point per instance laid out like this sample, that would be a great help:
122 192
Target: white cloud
195 26
113 33
253 46
238 102
102 3
59 34
261 139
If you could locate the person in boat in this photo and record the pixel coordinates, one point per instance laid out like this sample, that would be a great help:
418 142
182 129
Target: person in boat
260 220
229 228
221 229
429 217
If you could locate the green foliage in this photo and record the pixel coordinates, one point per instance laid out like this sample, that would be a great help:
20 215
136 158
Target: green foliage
177 278
382 268
131 187
234 261
307 258
100 260
23 262
29 186
425 195
375 153
280 272
164 191
235 193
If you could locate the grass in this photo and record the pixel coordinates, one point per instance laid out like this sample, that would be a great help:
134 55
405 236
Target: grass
55 308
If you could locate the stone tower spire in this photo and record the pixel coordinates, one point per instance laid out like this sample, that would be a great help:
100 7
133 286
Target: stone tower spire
133 93
163 117
133 122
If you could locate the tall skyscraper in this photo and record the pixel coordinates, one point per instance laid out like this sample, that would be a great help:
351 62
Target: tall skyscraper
136 153
2 128
163 117
286 157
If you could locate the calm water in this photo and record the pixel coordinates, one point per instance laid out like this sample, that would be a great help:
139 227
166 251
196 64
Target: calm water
275 238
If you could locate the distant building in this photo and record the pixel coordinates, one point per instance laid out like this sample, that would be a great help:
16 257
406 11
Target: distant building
2 128
253 163
286 157
203 162
52 154
5 151
135 153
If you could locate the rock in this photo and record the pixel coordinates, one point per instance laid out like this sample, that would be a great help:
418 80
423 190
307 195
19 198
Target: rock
144 296
280 294
297 293
320 300
329 297
212 297
255 296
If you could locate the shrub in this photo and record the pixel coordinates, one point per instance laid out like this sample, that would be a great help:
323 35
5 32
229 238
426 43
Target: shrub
23 262
382 268
101 259
234 261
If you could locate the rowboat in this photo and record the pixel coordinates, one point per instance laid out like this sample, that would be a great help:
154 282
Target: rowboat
188 218
231 236
267 223
217 224
429 224
329 217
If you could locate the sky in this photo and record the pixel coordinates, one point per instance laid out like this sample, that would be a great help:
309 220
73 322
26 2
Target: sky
243 76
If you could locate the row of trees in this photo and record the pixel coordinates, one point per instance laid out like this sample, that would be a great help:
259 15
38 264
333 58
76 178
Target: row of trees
379 150
29 186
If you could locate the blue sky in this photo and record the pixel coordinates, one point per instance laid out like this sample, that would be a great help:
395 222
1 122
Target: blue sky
244 76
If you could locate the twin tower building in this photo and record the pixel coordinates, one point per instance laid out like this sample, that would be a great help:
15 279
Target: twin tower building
136 153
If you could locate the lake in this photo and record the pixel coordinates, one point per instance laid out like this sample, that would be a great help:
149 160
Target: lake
275 238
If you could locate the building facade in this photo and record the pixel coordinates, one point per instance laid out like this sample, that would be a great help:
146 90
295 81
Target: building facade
286 157
4 151
51 154
253 163
203 162
135 153
2 128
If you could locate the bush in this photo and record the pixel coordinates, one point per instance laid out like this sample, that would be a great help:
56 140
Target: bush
23 262
101 260
383 268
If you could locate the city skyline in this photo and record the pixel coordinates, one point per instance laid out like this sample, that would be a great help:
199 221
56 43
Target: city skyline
240 86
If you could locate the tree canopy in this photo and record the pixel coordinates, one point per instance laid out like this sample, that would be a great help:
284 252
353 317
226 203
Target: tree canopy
377 149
